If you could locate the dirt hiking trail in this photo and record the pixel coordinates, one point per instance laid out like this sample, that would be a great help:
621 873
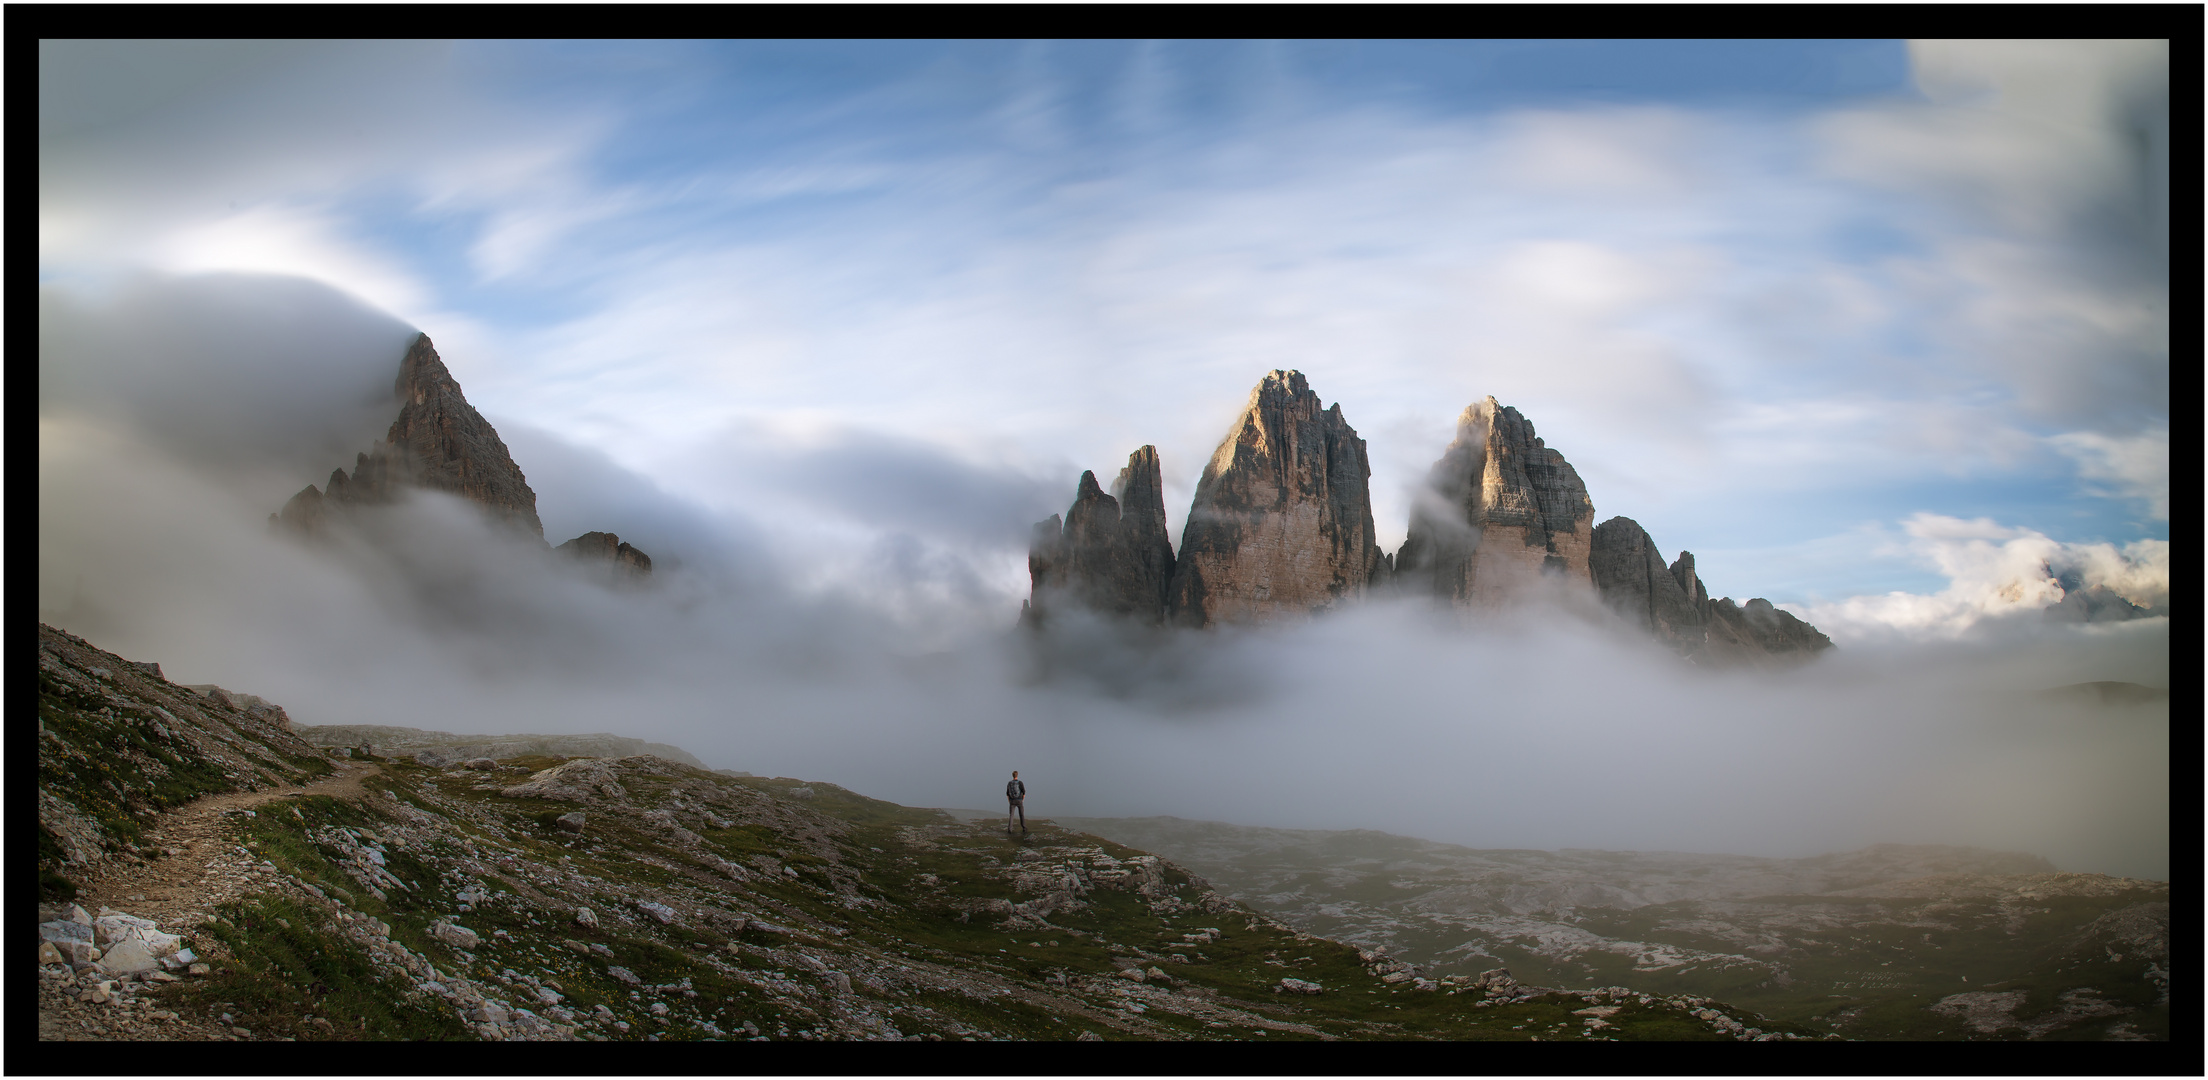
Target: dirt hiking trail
199 867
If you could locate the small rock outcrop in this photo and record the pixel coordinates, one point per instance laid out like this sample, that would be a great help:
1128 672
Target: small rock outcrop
1500 512
438 442
1281 526
604 549
1672 604
1111 554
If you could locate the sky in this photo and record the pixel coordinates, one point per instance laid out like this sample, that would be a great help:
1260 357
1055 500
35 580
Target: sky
1878 329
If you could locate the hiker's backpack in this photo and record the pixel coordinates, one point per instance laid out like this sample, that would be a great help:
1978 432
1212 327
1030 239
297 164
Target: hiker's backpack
1015 790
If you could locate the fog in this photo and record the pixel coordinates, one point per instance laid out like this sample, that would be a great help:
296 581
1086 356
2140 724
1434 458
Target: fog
871 644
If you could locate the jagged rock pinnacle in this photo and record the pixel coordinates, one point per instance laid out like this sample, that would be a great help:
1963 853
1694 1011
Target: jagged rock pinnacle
1112 554
1500 511
438 442
1673 605
1281 525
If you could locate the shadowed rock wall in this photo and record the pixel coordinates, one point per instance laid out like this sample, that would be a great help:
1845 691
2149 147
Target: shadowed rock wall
1672 604
1111 554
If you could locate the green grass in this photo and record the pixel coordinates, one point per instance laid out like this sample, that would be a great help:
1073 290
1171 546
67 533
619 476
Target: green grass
277 975
873 843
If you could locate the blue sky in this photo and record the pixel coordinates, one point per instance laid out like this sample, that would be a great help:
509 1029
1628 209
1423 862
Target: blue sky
1777 301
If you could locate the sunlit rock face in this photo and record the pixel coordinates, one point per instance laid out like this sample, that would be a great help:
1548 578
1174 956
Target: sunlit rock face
1672 604
438 442
605 550
1281 526
1501 512
1110 554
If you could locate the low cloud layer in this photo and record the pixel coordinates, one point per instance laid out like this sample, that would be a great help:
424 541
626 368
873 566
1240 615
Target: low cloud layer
1543 731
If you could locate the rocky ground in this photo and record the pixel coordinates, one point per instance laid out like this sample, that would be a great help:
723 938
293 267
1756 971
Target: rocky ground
1893 941
643 899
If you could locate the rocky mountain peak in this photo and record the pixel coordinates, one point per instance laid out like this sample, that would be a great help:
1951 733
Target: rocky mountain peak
439 442
1671 603
1500 511
1111 554
1281 525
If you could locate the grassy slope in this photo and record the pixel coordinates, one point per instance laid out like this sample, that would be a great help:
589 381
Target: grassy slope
923 960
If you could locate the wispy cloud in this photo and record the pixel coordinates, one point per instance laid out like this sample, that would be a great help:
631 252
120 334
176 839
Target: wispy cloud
1072 252
2137 467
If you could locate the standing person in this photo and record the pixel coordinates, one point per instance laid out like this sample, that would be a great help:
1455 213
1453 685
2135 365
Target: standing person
1016 793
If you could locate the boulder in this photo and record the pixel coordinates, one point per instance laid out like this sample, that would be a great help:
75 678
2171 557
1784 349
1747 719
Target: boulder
111 928
584 917
1281 525
64 930
481 764
570 822
624 974
580 780
47 954
459 937
1296 986
1495 981
661 912
127 958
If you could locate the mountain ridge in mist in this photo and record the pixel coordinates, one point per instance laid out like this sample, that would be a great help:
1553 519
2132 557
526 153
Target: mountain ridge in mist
1280 529
439 442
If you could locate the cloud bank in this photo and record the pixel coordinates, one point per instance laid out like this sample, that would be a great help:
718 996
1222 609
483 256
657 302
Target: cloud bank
1544 731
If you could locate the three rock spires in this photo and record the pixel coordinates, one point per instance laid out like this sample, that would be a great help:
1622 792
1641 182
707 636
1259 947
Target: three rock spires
1281 528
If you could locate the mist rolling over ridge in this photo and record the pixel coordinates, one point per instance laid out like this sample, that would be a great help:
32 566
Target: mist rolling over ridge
899 674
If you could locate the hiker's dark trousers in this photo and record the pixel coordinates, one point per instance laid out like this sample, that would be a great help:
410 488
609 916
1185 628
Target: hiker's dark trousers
1019 806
